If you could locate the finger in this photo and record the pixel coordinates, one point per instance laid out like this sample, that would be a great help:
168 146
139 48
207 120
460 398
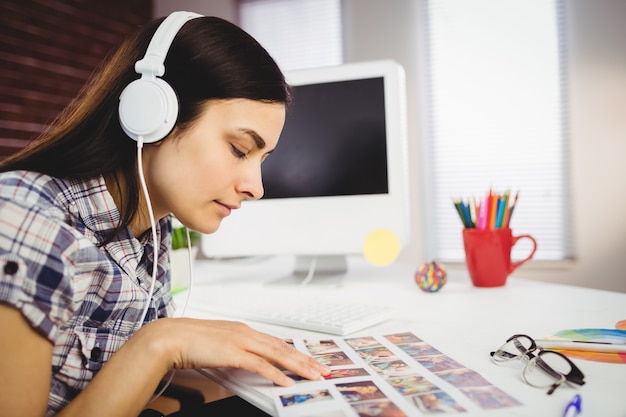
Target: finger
304 365
290 358
268 351
270 372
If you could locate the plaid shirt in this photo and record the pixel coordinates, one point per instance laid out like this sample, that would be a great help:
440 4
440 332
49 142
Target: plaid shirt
86 299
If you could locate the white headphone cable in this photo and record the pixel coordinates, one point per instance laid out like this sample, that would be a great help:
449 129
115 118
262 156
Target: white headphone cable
173 371
144 187
190 263
182 314
155 249
155 252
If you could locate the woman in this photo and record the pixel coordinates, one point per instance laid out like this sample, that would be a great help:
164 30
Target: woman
76 235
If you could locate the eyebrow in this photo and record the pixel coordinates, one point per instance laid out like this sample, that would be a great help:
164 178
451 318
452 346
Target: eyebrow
260 143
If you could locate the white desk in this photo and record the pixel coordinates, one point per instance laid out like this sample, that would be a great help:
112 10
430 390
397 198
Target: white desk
462 321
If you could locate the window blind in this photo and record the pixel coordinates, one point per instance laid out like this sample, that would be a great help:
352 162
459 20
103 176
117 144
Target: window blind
298 34
496 118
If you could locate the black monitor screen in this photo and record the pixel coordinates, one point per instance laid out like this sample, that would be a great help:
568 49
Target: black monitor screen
333 142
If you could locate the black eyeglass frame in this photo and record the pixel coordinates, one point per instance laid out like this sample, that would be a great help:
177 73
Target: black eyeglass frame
574 376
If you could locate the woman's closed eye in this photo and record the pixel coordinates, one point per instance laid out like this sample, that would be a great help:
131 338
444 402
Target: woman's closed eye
238 152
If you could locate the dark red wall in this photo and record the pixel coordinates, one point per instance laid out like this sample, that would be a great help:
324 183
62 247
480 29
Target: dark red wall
48 49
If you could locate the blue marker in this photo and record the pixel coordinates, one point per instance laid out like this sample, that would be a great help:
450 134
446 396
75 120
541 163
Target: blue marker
573 408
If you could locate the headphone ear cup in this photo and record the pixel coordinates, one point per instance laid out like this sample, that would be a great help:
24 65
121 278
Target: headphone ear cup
148 108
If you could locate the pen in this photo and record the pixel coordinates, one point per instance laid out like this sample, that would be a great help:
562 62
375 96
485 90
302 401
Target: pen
582 345
573 407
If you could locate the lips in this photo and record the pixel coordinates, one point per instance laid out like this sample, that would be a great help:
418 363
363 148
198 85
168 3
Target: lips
226 208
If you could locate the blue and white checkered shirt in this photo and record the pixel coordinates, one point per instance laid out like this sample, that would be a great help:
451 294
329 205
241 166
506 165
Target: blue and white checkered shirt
86 299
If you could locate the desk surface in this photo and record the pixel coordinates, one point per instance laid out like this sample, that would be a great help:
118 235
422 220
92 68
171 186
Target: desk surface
462 321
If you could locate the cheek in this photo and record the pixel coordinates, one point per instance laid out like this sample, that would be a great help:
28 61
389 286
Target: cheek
162 169
192 170
205 175
187 160
205 167
171 172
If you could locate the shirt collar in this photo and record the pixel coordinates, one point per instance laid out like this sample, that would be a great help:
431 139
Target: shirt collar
95 204
99 214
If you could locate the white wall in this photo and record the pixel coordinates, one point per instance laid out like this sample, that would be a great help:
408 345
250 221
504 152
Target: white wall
226 9
598 134
376 29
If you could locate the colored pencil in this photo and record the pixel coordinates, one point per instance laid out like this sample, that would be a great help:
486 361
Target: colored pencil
468 216
507 209
499 212
482 215
508 220
493 207
493 212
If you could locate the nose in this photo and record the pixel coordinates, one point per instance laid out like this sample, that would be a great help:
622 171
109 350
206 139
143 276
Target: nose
251 184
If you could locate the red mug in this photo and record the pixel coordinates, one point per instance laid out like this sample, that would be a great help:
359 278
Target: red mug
488 255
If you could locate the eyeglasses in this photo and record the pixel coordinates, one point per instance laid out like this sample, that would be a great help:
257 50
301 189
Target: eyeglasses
544 368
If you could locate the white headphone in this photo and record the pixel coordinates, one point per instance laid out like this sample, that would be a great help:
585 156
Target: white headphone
148 106
148 110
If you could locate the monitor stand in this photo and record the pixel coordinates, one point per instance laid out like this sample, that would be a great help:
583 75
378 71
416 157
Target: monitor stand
316 270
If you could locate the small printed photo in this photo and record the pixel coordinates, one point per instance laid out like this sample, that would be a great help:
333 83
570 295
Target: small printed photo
463 378
392 368
304 397
405 337
490 397
376 354
438 363
346 373
321 346
412 385
380 408
418 349
334 359
360 391
362 342
436 402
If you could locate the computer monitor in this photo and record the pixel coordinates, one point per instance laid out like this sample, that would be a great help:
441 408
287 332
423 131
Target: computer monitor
339 172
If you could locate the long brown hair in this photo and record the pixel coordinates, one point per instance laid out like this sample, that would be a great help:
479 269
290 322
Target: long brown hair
210 58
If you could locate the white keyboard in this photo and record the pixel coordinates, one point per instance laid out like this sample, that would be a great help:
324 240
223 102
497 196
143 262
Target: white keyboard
338 319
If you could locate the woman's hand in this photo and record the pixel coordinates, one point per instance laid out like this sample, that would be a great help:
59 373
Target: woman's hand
196 343
185 343
141 363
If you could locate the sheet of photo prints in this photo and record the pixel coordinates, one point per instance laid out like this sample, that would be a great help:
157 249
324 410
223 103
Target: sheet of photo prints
391 375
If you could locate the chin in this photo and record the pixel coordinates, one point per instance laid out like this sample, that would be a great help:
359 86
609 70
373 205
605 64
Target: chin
207 228
203 226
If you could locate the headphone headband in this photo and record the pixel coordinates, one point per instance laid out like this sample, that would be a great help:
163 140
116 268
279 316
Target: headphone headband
148 107
153 61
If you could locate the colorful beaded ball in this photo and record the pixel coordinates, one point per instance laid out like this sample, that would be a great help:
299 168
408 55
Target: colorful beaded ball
431 276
